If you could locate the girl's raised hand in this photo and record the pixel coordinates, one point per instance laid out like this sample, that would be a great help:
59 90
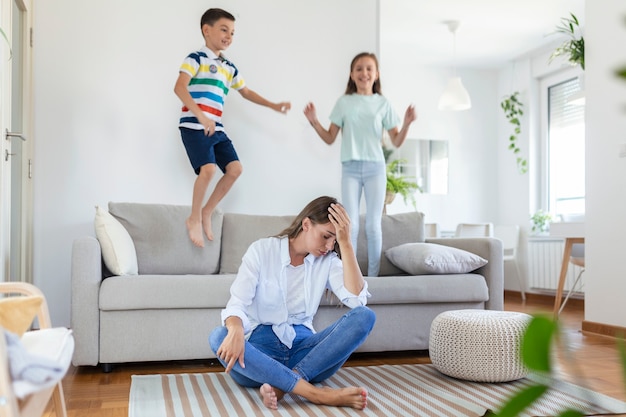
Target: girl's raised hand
410 115
310 112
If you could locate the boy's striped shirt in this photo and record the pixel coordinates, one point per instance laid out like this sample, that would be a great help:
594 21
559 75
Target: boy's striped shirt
212 77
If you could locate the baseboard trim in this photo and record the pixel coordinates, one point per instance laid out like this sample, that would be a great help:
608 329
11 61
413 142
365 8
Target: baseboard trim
545 299
603 329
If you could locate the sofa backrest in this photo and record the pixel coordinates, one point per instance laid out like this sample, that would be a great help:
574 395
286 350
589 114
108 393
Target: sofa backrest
161 240
397 229
240 230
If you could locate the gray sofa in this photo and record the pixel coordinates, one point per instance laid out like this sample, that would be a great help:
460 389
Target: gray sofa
167 311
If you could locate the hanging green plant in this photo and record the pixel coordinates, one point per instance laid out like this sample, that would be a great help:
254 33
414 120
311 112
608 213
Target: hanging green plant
573 48
512 107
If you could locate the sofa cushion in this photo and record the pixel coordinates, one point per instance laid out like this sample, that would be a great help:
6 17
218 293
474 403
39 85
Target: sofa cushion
431 258
240 230
157 292
118 250
162 242
397 229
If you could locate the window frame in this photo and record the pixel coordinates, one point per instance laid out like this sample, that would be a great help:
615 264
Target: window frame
543 177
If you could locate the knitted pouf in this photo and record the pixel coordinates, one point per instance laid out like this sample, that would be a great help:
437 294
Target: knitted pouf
479 345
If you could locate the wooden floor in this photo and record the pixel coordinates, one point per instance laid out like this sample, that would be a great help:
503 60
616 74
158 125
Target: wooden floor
594 364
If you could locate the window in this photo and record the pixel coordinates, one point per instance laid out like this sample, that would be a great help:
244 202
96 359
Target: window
563 179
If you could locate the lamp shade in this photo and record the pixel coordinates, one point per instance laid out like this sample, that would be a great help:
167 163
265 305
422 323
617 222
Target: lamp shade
455 96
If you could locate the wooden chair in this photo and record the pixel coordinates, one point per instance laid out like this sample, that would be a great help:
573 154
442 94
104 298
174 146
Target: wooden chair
577 258
47 339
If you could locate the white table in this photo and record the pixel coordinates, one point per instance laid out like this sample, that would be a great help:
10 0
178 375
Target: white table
574 233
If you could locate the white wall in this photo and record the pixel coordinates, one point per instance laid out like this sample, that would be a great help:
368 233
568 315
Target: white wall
106 115
605 276
471 134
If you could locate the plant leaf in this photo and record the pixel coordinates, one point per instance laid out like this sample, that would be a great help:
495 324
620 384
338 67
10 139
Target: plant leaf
4 35
571 413
537 341
516 404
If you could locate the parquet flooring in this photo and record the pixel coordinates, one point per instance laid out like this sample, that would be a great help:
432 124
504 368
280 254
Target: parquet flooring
595 364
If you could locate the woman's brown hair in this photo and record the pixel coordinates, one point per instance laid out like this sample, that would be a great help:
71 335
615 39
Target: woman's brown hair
317 212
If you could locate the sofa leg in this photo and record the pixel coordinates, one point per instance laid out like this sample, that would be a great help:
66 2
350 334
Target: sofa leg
107 367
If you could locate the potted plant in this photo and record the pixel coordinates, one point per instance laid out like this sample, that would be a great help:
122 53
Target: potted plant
541 222
399 184
574 48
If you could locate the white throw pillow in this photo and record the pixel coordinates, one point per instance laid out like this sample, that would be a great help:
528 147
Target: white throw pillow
431 258
118 249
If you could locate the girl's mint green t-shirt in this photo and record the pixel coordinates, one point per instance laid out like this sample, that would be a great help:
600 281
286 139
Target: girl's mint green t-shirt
362 120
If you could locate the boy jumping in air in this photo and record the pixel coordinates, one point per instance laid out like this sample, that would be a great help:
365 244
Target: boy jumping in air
204 80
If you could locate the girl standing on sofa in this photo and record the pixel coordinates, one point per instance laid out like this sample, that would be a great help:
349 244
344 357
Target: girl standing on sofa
362 114
267 339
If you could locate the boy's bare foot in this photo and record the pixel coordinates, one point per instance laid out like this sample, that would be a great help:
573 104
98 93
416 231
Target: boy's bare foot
206 223
270 400
195 232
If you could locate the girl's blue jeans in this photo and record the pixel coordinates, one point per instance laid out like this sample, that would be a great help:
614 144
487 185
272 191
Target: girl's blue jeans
369 178
313 357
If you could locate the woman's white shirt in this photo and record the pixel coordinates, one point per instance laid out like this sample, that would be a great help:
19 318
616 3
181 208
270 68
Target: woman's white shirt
259 293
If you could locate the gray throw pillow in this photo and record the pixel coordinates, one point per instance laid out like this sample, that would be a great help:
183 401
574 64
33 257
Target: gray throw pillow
431 258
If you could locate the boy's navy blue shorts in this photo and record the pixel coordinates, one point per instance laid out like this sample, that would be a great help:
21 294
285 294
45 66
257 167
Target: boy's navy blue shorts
202 149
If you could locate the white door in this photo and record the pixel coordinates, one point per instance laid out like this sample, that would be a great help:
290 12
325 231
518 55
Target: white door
16 148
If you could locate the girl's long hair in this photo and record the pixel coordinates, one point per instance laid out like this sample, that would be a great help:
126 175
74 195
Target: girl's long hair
351 87
317 212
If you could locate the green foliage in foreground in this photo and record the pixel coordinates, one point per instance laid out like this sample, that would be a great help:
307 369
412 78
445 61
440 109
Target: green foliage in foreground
536 353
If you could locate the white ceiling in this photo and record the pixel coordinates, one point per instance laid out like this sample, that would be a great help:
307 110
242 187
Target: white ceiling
491 33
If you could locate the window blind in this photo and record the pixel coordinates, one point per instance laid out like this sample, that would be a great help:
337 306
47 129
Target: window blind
561 112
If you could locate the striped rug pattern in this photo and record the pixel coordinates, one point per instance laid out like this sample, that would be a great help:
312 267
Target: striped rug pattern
393 390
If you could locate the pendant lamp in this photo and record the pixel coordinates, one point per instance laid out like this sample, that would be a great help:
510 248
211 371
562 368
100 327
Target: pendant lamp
455 96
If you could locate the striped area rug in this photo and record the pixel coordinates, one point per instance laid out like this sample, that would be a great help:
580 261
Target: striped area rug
393 390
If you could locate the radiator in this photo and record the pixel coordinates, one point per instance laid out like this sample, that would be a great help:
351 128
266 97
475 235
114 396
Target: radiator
545 256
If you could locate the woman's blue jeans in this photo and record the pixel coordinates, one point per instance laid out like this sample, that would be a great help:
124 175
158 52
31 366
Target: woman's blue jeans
371 178
313 357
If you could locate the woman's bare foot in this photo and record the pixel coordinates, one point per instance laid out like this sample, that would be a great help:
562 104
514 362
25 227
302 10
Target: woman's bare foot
206 223
354 397
195 232
270 400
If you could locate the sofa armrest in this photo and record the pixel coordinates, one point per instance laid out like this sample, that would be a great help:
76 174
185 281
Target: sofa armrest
490 249
85 313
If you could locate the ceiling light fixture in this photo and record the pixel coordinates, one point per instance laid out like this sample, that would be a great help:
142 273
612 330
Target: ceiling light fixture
455 96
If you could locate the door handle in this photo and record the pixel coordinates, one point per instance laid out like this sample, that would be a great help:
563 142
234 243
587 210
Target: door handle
8 135
7 154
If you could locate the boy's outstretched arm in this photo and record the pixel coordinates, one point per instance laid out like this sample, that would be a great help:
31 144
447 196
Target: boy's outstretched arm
282 107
